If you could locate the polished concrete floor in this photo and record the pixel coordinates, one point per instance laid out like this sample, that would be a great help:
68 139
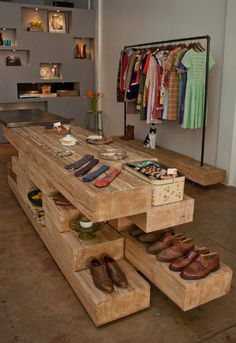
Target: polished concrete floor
38 306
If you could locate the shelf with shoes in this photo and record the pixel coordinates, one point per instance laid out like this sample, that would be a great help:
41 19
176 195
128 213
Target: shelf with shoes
83 48
184 293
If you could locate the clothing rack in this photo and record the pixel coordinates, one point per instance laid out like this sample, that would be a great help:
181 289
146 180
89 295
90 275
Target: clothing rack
151 44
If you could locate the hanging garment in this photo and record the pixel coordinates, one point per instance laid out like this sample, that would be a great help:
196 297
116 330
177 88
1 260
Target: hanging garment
182 82
129 72
142 93
195 62
150 84
173 84
162 59
132 92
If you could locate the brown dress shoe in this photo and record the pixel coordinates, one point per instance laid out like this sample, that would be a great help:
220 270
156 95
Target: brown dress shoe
164 243
136 232
100 276
181 262
179 248
201 266
152 237
117 275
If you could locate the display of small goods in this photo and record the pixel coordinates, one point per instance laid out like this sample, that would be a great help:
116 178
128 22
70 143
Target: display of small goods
68 140
98 140
153 171
46 89
35 205
80 52
49 71
13 60
36 24
86 228
112 154
56 22
182 253
106 274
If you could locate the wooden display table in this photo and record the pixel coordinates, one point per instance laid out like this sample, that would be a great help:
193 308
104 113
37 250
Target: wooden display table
125 202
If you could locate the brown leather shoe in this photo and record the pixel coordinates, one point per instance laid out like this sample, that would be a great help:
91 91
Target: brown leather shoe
179 248
136 232
100 276
181 262
152 237
164 243
201 266
117 275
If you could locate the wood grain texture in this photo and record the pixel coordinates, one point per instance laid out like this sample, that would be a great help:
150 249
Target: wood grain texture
126 195
101 307
78 253
205 176
185 294
165 216
122 224
61 216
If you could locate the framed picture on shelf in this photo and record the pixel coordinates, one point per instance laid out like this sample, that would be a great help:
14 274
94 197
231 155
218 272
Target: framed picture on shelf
56 22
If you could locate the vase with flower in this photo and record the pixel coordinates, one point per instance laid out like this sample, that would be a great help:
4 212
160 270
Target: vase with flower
93 97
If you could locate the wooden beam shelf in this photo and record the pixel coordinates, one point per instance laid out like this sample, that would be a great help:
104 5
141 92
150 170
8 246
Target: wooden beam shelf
187 294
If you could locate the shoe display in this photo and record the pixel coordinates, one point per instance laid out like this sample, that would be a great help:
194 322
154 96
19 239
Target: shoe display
165 242
136 232
179 248
150 237
60 200
181 262
117 275
100 275
201 266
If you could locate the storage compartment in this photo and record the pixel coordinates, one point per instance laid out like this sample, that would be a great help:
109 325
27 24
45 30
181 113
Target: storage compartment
50 71
48 89
8 37
166 188
14 58
83 48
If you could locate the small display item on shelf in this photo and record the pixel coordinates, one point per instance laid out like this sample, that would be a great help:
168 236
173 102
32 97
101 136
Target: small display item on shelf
60 200
98 140
46 89
86 227
13 60
67 92
35 197
56 22
68 140
112 154
50 71
81 51
1 39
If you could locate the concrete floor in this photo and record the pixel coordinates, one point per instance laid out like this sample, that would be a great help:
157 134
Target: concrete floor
38 305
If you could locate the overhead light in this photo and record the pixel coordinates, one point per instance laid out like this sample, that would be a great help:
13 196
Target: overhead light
4 29
58 11
36 9
14 50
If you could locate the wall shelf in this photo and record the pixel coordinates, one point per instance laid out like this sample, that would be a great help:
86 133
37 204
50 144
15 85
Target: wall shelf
57 89
50 71
24 56
8 36
83 48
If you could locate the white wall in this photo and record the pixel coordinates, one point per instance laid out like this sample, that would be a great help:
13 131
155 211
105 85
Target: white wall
127 22
226 157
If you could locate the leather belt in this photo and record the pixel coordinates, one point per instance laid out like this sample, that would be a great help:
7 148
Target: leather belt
76 165
86 168
95 174
106 180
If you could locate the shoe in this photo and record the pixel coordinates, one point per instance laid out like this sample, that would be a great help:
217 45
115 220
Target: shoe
164 243
116 274
129 133
179 248
136 232
150 237
100 276
201 266
181 262
60 200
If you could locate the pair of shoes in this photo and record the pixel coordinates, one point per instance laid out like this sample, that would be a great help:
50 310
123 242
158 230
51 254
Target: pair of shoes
180 263
60 200
177 249
106 272
201 266
165 242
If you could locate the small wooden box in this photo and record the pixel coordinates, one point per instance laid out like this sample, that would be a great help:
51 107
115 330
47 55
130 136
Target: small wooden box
72 92
164 191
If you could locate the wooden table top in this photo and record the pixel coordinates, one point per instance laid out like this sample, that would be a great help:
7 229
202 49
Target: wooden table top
125 196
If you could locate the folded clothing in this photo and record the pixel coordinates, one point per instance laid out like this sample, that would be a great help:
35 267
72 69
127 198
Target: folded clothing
95 174
86 168
106 180
76 165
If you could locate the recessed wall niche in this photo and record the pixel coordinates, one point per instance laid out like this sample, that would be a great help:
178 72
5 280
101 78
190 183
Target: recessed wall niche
14 58
48 89
43 20
83 48
50 71
7 37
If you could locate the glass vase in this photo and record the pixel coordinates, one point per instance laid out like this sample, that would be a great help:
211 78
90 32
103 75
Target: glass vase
94 105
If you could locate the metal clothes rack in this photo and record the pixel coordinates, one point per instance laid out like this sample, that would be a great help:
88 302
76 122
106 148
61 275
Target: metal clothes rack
207 38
